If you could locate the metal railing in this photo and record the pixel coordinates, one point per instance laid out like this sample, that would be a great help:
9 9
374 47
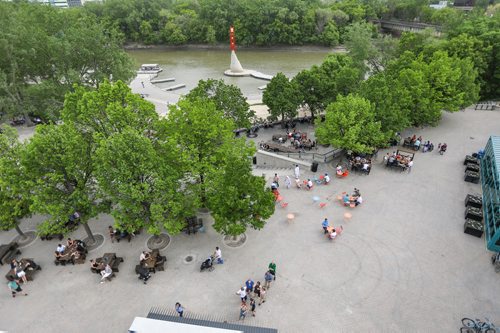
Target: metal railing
314 156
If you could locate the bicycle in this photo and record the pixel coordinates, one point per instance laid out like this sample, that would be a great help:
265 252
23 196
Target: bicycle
477 326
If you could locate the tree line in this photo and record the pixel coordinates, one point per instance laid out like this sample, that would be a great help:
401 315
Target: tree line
114 154
384 85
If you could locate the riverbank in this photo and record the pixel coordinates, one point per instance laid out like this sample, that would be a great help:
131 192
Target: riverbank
284 48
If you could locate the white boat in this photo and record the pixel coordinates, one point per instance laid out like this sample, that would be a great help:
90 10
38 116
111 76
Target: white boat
149 69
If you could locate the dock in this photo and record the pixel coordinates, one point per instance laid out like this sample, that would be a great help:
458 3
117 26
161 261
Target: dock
177 86
168 79
262 76
262 87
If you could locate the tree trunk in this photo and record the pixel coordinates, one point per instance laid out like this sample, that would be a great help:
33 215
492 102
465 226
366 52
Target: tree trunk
20 232
89 232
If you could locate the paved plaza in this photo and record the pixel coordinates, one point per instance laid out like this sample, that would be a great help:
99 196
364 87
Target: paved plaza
402 264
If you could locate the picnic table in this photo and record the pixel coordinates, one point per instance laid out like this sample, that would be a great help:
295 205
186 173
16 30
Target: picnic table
153 263
28 266
108 258
8 252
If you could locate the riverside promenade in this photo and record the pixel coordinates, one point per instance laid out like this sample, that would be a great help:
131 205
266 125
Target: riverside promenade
402 264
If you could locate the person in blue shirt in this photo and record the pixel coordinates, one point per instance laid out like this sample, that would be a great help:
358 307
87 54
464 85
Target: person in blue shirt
346 199
325 225
249 284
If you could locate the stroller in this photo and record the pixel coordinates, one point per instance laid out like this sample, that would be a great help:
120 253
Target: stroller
81 247
207 264
144 274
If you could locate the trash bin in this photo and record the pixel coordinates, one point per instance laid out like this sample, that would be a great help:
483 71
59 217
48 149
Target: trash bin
254 160
314 166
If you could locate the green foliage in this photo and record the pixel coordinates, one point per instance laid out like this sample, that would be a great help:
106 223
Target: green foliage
15 196
283 97
227 98
59 165
44 51
350 124
244 199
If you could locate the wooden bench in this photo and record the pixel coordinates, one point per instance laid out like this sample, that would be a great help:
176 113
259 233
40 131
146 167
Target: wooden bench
29 270
8 252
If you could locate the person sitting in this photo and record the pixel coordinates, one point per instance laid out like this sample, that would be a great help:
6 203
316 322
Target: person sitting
274 186
346 200
14 263
95 265
417 144
60 248
144 256
326 179
58 255
309 184
356 193
298 183
70 243
358 201
366 166
332 235
106 273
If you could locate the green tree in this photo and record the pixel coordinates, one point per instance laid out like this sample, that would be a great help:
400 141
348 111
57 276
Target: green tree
59 164
15 196
140 176
282 97
350 124
245 200
227 98
390 102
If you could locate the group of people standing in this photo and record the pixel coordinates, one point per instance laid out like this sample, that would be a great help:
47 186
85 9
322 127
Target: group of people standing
255 291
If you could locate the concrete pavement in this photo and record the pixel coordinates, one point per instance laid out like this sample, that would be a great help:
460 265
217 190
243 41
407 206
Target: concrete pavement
402 263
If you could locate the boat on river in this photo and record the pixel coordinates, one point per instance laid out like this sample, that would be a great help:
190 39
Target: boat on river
149 69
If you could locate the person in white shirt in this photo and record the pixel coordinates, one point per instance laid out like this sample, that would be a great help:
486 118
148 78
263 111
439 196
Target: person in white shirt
410 165
144 255
327 179
218 255
106 273
333 234
60 248
297 171
243 294
359 201
309 184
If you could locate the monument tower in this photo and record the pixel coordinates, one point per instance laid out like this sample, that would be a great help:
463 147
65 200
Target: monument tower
235 69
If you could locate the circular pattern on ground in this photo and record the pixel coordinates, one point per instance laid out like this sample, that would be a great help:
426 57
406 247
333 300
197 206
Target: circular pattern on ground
26 240
189 259
158 242
92 245
235 241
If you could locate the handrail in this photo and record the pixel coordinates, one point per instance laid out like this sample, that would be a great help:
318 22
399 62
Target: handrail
325 157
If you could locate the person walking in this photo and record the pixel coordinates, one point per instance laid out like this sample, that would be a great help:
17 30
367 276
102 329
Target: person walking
325 225
243 311
272 269
297 171
15 287
276 180
288 182
268 277
243 294
218 255
256 289
142 82
179 309
262 298
249 284
252 306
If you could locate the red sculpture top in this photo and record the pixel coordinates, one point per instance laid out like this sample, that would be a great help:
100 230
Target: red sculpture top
232 41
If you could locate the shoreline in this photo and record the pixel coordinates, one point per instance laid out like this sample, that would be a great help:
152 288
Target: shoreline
284 48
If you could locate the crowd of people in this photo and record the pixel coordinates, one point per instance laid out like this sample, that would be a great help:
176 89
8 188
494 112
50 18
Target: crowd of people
359 163
299 140
73 250
252 292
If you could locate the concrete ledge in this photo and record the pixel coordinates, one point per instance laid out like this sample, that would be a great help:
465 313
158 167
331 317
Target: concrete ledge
265 158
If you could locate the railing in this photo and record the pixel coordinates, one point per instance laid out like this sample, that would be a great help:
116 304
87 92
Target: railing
302 155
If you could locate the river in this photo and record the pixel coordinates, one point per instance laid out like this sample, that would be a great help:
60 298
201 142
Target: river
188 66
